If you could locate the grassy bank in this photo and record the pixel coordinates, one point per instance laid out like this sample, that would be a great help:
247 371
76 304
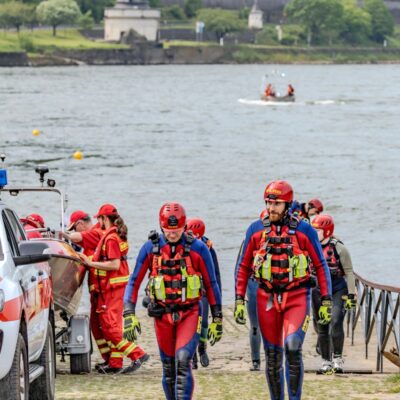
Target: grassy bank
219 385
43 41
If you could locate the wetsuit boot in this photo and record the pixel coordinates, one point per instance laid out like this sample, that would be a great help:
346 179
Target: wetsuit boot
274 372
184 378
204 360
294 367
168 380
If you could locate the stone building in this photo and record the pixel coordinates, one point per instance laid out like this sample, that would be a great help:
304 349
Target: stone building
255 17
129 15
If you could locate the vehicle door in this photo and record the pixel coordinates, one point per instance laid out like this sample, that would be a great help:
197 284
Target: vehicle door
30 277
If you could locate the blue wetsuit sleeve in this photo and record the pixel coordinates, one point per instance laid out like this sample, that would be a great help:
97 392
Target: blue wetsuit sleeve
216 267
208 273
142 265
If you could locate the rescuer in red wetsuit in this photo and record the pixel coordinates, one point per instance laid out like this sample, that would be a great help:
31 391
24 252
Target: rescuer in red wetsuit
31 224
276 252
198 228
178 266
110 261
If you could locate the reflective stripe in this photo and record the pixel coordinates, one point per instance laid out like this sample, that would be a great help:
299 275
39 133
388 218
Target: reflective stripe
91 288
130 349
122 343
100 272
120 279
101 341
104 350
116 354
123 246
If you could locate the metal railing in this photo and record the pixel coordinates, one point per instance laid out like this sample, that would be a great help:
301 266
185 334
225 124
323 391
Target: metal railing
378 307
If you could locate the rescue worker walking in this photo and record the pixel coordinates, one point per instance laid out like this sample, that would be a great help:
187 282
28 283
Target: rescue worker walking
198 229
110 261
178 265
276 251
331 337
86 236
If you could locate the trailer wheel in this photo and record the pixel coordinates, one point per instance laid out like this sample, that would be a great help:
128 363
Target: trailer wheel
15 385
43 388
80 363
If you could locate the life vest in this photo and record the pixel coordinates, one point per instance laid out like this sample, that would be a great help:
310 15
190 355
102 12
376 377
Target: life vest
173 280
332 258
280 264
107 280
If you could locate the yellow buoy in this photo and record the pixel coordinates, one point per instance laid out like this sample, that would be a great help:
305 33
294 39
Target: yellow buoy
36 132
78 155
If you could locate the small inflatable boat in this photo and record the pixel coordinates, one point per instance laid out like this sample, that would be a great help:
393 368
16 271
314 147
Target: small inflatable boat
278 99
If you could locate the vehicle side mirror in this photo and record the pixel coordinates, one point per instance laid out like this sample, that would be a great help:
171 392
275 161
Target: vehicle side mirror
31 259
32 247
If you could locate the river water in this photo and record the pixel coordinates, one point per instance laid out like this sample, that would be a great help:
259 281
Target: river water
199 135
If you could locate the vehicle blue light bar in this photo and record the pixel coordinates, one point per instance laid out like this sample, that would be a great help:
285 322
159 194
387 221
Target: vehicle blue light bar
3 177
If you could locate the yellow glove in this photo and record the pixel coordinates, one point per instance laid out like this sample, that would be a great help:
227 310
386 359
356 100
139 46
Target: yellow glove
350 302
132 328
215 331
240 311
325 312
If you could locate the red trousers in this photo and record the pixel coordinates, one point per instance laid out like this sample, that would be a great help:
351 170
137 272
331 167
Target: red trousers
109 327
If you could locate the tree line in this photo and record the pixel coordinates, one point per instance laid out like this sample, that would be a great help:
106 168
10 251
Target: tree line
29 13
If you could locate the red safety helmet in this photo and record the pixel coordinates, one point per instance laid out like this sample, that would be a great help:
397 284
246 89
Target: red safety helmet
34 219
107 210
172 216
316 203
280 191
324 222
196 225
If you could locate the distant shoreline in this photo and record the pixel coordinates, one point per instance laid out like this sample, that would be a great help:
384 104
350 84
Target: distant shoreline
210 54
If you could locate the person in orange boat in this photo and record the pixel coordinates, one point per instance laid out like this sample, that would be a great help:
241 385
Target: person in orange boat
270 91
110 262
32 224
290 90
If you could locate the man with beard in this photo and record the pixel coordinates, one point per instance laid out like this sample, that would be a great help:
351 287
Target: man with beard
276 252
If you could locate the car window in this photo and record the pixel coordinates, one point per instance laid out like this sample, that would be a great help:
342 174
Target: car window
10 237
17 231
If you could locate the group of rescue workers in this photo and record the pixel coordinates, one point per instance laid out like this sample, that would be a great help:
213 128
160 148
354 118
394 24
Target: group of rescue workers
287 265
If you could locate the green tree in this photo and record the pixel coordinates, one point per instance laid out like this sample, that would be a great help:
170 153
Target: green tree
323 19
174 12
86 20
96 7
57 12
357 23
15 14
220 21
381 20
191 7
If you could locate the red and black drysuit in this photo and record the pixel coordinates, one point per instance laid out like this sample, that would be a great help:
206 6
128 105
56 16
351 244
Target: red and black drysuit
283 301
177 319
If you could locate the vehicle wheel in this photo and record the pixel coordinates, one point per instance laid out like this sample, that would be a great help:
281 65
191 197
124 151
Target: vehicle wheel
80 363
43 388
15 385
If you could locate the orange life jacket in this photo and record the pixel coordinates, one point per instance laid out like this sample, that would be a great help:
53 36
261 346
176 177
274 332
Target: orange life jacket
280 264
173 280
107 280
